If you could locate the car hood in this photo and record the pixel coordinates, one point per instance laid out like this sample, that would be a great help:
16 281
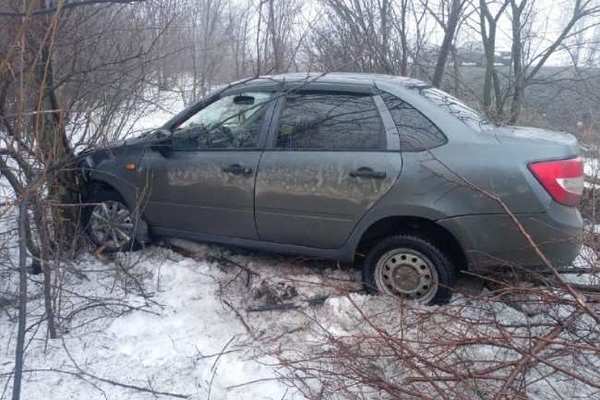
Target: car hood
92 157
144 139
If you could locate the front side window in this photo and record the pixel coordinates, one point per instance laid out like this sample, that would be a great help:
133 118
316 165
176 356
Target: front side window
417 133
231 122
330 121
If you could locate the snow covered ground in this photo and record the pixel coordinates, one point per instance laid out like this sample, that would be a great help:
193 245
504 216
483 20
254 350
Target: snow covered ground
168 342
189 331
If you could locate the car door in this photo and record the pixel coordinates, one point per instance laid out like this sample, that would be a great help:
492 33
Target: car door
203 184
331 157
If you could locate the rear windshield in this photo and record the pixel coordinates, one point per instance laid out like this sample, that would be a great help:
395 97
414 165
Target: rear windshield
455 107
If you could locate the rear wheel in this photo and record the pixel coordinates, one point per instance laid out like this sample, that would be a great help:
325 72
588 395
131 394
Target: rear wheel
109 223
410 268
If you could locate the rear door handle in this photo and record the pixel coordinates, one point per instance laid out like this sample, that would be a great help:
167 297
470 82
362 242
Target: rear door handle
366 172
237 169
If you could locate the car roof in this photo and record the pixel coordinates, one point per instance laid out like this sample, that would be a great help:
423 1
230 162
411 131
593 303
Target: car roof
334 80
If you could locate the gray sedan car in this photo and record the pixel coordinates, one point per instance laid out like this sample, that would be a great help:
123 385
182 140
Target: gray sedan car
393 175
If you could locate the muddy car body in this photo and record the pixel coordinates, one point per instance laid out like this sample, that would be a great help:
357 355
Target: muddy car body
348 167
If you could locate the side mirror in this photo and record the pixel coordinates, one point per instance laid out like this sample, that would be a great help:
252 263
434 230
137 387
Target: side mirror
163 142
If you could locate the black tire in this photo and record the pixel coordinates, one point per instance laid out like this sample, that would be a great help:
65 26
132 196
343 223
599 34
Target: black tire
446 274
100 194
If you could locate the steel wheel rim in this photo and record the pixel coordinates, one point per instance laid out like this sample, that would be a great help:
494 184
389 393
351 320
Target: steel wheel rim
111 224
407 274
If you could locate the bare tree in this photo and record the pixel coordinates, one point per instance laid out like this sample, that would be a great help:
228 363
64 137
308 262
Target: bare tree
282 34
367 35
401 24
582 17
208 18
448 17
488 27
37 129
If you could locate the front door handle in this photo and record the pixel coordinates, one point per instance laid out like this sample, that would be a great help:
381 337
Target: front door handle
366 172
237 169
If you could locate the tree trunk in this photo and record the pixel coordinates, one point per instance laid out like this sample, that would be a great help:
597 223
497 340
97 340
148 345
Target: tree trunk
22 322
488 39
258 27
384 12
403 39
449 31
276 48
517 60
488 28
57 220
42 223
194 62
56 155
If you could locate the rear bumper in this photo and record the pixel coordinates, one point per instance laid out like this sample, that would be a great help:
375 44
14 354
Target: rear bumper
495 240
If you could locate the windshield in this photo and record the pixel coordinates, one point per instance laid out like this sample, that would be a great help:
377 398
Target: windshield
229 111
455 107
233 121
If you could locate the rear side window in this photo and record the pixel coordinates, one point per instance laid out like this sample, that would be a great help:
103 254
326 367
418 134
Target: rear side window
417 133
330 121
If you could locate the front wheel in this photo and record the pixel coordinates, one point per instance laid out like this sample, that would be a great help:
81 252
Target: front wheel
109 223
410 268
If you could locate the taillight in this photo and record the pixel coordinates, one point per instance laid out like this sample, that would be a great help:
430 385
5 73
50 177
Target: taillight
562 179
